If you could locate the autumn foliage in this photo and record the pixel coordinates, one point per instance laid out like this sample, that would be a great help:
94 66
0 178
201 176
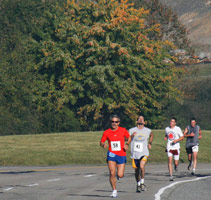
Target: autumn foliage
95 58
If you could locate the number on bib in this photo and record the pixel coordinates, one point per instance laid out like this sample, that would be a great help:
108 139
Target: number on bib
115 146
138 147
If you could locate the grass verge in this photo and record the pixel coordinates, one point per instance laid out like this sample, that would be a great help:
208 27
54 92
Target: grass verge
79 148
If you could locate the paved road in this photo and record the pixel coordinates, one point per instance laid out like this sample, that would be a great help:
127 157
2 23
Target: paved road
91 182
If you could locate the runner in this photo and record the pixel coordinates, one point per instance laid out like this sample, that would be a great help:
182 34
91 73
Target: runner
174 135
139 150
193 134
116 156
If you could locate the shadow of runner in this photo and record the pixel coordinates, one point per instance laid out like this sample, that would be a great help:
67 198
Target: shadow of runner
21 172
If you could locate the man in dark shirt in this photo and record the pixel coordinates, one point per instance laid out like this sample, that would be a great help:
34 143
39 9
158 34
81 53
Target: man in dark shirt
193 134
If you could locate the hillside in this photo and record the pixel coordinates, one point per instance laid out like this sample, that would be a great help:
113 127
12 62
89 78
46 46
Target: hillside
195 15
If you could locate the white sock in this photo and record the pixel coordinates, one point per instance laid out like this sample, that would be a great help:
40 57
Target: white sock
142 181
139 183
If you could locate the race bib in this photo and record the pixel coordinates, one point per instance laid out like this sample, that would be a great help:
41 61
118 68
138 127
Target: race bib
138 147
115 146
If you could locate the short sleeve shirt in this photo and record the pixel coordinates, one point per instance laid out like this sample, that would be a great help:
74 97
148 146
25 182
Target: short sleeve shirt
116 140
173 134
139 143
192 141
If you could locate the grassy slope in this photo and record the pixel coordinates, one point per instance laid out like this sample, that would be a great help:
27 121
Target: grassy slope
77 148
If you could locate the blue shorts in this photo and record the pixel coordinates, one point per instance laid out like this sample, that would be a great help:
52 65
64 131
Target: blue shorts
118 159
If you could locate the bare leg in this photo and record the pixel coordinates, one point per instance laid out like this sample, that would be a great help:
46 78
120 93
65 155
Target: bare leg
137 174
120 170
112 177
194 159
176 162
190 157
142 165
170 166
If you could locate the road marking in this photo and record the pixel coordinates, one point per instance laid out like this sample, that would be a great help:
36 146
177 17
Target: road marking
52 180
90 175
7 189
161 191
32 185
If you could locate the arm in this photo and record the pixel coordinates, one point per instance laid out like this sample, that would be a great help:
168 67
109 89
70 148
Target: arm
178 140
200 134
128 143
186 133
103 140
103 144
133 135
150 140
181 137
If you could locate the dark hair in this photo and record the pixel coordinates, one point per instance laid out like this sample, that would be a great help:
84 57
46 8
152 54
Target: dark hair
114 116
193 119
139 116
174 118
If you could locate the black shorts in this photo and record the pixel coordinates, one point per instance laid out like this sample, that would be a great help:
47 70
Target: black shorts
189 150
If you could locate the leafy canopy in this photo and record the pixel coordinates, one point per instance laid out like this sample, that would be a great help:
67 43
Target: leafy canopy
99 58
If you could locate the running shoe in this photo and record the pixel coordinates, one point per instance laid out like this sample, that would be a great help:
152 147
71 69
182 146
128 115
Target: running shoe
114 194
138 190
171 178
143 187
193 172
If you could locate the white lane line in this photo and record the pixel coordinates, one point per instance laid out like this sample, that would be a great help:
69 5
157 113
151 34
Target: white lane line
161 191
32 185
52 180
182 170
7 189
90 175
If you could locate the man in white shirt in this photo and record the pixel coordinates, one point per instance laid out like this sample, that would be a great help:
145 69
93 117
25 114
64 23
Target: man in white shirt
173 135
139 150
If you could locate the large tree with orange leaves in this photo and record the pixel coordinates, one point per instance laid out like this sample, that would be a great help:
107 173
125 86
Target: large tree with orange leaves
95 58
99 59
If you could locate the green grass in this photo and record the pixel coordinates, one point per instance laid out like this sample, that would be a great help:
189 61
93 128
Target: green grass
78 148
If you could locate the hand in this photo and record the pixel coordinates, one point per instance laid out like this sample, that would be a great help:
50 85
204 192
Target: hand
134 133
192 134
149 146
105 146
200 136
126 147
174 142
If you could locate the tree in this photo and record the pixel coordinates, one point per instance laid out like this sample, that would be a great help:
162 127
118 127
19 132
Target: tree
99 58
21 88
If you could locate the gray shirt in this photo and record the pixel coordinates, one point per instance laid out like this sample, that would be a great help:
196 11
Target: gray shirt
192 141
139 143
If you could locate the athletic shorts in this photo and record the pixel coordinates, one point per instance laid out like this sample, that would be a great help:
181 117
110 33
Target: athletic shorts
192 149
136 162
174 152
118 159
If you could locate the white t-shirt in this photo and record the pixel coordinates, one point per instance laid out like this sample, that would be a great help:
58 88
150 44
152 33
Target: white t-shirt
173 134
139 143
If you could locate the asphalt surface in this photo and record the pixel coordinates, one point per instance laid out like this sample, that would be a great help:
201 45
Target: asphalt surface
91 182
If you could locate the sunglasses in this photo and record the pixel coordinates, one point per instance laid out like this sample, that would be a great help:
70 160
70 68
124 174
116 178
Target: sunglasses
116 122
